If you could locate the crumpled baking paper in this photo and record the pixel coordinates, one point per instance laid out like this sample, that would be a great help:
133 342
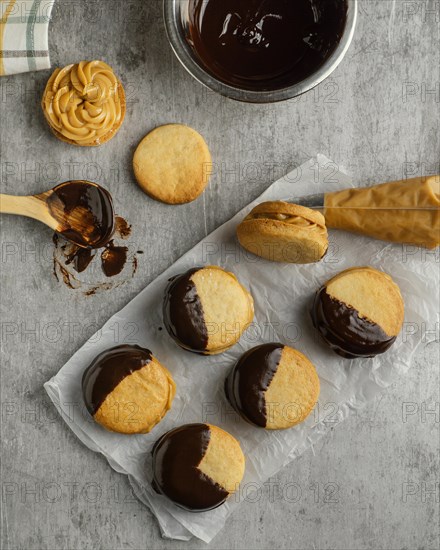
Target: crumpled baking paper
282 294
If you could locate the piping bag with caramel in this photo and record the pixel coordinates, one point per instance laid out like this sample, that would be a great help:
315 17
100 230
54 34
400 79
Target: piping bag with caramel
404 211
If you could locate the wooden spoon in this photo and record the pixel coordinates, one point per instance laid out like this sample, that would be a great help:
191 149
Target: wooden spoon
81 211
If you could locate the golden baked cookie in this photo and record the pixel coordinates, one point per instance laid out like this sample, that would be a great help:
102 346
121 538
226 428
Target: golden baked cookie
359 312
197 466
206 310
273 386
283 232
127 390
172 164
84 104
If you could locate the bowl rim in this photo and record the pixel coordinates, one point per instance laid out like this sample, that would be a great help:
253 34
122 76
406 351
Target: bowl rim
183 53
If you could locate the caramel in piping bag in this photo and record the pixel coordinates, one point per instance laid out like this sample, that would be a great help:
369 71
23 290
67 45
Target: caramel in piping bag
405 211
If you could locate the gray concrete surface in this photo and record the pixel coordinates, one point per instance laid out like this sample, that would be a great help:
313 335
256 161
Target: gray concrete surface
373 483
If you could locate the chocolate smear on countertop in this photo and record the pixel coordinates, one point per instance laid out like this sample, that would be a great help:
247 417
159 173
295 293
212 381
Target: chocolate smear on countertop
71 260
176 456
108 370
183 313
123 228
247 383
80 258
113 259
60 272
265 44
345 331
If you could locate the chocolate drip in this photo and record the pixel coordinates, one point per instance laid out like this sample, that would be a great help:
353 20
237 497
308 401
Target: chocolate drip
265 44
80 258
246 385
113 259
176 456
123 228
183 313
108 370
87 213
345 331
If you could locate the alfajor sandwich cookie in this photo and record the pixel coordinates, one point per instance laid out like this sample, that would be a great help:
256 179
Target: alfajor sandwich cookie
127 390
273 386
206 310
283 232
197 466
359 312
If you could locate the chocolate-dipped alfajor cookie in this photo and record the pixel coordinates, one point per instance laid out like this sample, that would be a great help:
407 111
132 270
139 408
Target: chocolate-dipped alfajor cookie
283 232
127 390
273 386
359 313
206 310
197 466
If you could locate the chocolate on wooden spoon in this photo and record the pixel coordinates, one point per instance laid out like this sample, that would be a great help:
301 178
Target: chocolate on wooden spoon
81 211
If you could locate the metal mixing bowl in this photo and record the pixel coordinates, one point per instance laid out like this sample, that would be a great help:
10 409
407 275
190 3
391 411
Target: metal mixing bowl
177 26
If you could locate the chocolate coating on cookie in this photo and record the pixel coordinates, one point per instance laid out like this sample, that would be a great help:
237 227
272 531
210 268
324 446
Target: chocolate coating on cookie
176 457
108 370
206 310
246 385
183 313
346 332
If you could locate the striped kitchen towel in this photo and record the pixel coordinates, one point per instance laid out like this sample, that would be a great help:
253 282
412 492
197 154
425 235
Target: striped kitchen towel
24 26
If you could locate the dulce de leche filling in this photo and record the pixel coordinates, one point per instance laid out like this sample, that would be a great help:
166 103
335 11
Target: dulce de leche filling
85 102
291 219
406 211
286 218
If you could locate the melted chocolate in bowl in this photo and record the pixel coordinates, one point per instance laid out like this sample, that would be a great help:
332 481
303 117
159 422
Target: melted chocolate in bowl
265 44
85 212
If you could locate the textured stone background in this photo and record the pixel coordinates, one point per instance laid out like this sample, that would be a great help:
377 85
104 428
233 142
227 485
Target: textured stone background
369 484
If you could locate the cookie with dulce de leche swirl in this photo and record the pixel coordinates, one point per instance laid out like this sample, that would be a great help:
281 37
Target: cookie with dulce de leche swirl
84 103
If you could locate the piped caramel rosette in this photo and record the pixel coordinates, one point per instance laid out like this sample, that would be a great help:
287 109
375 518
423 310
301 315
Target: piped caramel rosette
84 103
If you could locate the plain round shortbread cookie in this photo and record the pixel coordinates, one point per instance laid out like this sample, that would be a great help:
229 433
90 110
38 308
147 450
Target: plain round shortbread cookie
173 164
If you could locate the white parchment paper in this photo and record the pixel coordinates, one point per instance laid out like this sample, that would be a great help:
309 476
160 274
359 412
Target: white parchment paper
282 294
